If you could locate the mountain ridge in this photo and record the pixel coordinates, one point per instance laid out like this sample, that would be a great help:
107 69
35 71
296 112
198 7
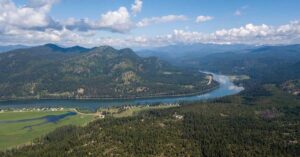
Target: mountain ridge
50 71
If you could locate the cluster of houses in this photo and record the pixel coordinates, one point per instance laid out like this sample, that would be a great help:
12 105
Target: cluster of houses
33 109
102 114
127 107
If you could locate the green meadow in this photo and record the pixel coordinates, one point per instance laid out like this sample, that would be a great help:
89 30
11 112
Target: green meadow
15 134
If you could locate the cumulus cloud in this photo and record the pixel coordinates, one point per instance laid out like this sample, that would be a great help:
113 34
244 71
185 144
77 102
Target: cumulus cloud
114 21
201 19
31 24
136 7
44 5
248 34
162 19
33 15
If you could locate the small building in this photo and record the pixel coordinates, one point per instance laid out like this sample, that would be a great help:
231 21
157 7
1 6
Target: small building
177 116
100 115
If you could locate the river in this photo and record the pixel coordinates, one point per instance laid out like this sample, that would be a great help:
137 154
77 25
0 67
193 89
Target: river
226 88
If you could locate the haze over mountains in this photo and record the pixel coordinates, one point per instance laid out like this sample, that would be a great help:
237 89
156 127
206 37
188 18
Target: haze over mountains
267 64
263 64
11 47
179 53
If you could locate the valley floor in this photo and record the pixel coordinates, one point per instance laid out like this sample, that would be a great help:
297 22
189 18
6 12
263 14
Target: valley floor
267 124
21 127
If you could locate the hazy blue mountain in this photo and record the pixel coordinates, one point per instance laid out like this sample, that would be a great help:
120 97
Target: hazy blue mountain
11 47
264 64
182 52
74 49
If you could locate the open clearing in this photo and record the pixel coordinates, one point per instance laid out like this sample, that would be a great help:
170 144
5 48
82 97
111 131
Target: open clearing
18 133
15 134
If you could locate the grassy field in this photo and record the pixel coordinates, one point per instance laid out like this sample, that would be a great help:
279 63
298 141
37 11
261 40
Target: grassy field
14 134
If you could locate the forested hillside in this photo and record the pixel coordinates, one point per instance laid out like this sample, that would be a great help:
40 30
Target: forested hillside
50 71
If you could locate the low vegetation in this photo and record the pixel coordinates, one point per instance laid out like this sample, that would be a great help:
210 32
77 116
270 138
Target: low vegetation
22 133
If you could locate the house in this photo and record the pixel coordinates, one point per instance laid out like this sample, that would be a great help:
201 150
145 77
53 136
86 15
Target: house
177 116
100 115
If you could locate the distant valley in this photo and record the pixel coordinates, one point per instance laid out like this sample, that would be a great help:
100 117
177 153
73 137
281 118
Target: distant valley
263 64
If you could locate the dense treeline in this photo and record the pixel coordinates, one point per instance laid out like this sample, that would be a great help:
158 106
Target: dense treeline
223 127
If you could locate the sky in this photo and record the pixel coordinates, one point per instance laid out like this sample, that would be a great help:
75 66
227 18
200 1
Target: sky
149 23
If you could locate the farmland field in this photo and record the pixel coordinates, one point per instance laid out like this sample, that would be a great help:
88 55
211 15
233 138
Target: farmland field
14 133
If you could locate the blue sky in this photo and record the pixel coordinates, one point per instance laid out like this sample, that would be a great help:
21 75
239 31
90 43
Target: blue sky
154 23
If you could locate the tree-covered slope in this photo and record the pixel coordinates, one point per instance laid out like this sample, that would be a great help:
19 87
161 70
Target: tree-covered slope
225 127
50 71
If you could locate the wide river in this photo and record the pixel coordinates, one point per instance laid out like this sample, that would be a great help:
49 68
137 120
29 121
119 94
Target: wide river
226 88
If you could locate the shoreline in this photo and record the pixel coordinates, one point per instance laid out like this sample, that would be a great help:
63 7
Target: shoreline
120 99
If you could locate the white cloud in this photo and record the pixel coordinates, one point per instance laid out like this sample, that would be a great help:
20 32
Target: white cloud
248 34
162 19
114 21
136 7
31 24
31 16
202 18
43 5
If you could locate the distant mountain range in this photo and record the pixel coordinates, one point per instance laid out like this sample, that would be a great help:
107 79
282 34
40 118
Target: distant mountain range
180 53
50 71
267 64
264 64
11 47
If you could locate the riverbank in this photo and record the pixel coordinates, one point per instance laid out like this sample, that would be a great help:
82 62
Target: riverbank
117 99
225 87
